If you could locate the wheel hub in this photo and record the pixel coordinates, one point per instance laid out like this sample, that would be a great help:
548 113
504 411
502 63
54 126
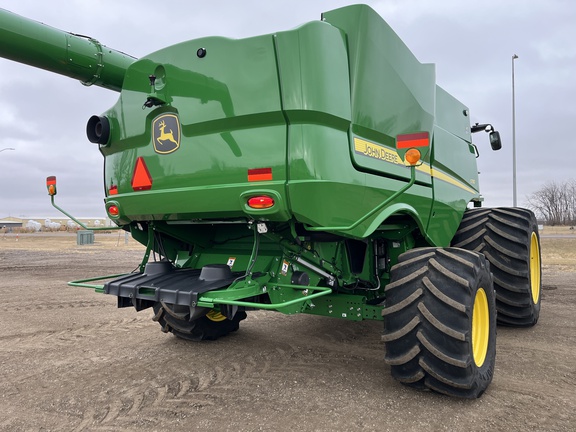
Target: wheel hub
480 327
535 268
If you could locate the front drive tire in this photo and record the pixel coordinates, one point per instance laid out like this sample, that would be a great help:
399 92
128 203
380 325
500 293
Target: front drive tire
509 239
440 321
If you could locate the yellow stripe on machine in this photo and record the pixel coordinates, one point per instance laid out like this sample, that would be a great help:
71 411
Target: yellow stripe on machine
376 151
448 179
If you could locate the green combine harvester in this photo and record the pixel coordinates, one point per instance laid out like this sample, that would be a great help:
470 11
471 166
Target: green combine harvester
319 170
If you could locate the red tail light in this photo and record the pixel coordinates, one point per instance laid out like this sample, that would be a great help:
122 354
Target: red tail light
261 202
113 210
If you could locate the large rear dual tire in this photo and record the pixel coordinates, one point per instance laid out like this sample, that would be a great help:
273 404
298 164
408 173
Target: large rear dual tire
440 321
509 239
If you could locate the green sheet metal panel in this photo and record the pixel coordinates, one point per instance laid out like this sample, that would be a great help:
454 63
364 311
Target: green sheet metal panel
392 92
454 173
228 106
320 106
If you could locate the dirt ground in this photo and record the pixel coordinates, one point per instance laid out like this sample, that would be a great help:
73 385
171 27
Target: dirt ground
71 361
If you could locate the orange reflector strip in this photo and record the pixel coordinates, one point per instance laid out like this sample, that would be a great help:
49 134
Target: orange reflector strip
420 139
113 210
261 202
259 174
141 179
113 190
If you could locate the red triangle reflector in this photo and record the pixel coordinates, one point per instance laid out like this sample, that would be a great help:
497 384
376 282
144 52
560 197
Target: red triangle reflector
141 179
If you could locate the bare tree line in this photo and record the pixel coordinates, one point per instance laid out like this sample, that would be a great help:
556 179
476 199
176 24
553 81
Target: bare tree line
555 202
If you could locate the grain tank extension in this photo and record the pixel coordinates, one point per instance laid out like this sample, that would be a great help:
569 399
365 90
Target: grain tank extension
319 170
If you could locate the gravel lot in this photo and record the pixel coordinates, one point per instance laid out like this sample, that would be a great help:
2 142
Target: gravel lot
71 361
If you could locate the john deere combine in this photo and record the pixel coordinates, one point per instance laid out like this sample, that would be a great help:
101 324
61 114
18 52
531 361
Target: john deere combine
319 170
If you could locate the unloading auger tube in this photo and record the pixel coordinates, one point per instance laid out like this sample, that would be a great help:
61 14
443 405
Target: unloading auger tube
72 55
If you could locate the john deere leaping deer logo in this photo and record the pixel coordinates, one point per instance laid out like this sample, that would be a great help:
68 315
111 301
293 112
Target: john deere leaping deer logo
166 133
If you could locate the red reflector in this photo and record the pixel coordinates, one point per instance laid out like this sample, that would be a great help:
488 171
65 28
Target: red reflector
259 174
113 210
141 179
261 202
420 139
113 190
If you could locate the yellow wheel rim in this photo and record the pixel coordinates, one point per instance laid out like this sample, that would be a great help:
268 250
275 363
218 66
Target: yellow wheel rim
535 268
215 316
480 327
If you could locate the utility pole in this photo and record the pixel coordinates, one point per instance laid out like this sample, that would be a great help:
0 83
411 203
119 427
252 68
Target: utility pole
514 200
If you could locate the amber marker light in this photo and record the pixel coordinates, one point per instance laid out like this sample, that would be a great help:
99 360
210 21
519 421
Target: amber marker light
51 185
261 202
412 156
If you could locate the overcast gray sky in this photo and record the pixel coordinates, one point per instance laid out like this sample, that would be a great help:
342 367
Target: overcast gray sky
43 115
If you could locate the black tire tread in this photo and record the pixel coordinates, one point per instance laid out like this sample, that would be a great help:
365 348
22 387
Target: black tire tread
427 315
503 235
175 320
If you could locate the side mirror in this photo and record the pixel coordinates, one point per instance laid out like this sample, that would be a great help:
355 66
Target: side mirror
494 135
495 142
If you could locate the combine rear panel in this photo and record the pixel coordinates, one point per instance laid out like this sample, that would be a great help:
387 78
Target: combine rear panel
308 115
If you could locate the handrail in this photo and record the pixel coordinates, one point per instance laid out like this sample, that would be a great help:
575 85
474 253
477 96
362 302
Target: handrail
80 223
322 291
98 288
272 306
